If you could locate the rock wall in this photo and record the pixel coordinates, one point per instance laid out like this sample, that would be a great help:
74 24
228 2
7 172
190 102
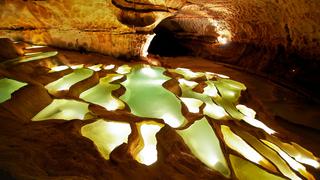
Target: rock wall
275 37
116 28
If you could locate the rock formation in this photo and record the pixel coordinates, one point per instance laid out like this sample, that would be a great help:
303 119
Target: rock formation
117 27
56 104
278 37
67 115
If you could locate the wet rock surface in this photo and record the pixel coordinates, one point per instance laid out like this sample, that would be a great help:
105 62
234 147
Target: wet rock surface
277 38
56 149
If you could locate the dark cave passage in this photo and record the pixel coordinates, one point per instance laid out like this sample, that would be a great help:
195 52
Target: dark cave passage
165 43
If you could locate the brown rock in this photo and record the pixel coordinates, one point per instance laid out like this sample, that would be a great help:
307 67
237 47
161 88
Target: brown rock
8 50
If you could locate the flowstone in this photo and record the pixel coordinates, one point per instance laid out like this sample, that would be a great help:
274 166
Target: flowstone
139 93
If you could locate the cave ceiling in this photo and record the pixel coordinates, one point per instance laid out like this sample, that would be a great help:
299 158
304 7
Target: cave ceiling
119 27
60 132
278 39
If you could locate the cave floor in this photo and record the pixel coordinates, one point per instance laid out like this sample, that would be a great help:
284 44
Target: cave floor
55 149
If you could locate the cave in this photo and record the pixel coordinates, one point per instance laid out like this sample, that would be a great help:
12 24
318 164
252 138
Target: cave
171 89
165 42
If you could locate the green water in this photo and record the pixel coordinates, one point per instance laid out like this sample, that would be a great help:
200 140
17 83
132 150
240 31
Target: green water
63 109
146 96
204 144
248 171
67 81
107 135
7 87
101 93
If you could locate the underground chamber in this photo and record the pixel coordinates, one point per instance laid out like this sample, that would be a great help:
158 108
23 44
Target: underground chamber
159 89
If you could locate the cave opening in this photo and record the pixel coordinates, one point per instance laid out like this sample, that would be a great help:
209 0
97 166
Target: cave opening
83 100
166 42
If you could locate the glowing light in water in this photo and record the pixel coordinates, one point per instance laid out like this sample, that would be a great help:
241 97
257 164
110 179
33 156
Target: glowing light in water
210 75
295 150
258 124
67 81
239 145
96 67
145 47
101 94
147 70
145 94
229 92
63 109
32 53
107 135
171 120
109 67
148 155
231 95
147 98
249 118
33 57
234 85
78 66
7 87
124 69
269 154
304 156
35 47
214 111
292 163
59 68
211 109
248 171
223 76
205 145
246 111
184 82
192 104
210 90
187 73
307 161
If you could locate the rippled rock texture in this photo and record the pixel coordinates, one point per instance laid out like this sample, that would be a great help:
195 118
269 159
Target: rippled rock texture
96 25
66 115
117 27
277 38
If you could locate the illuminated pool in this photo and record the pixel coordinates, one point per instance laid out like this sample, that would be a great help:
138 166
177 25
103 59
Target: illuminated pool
215 137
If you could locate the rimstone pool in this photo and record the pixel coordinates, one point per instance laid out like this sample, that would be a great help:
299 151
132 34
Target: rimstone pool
124 107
